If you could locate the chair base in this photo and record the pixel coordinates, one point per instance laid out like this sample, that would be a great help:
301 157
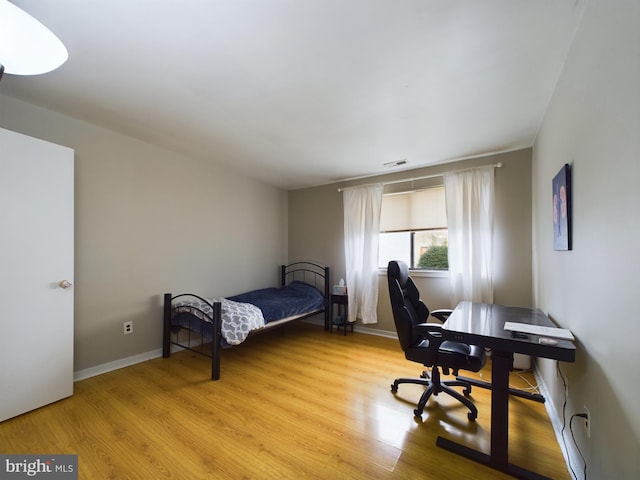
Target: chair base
435 386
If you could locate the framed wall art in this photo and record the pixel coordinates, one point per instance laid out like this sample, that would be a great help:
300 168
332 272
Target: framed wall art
562 209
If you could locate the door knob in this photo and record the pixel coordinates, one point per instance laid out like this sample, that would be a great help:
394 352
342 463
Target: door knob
65 284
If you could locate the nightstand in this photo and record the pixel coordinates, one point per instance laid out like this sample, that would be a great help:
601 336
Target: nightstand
341 319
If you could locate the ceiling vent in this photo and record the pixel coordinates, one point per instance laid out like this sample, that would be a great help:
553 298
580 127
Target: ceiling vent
396 163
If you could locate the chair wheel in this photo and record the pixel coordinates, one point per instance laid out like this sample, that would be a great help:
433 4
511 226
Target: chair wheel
417 412
394 388
472 416
467 391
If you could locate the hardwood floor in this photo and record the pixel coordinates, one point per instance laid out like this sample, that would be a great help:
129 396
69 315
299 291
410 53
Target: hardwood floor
298 403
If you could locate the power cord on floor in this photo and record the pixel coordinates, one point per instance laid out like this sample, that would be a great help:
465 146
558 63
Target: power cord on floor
534 389
564 424
583 415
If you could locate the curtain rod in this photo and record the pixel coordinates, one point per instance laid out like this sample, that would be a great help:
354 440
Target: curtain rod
424 177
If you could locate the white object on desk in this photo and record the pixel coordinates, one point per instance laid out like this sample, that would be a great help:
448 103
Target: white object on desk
539 330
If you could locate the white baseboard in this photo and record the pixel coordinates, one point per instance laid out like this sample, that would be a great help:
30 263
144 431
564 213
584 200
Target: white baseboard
143 357
115 365
359 328
568 449
375 331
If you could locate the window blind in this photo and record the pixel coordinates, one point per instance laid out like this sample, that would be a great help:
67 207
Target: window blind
415 210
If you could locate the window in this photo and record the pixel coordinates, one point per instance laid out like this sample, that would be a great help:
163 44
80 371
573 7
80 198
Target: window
413 228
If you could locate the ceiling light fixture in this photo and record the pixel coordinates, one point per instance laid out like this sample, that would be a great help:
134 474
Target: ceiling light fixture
27 47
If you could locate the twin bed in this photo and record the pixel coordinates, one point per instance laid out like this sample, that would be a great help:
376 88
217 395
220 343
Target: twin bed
206 326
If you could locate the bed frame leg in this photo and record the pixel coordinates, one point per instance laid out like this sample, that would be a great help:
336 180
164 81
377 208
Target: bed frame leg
217 335
166 330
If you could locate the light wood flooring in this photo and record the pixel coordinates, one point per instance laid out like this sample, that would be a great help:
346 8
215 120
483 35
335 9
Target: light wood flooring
295 403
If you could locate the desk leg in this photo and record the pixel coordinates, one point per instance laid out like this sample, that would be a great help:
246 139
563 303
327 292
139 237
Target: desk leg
500 367
499 456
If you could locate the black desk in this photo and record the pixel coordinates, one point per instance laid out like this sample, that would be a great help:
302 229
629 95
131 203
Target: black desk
483 324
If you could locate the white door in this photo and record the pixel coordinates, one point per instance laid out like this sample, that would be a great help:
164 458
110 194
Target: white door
36 254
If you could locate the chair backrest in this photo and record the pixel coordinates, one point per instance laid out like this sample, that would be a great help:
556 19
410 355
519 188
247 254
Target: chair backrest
408 310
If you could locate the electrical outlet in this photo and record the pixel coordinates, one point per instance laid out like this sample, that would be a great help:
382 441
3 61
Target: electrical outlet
128 328
587 421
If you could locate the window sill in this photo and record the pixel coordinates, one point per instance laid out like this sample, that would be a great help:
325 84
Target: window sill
421 273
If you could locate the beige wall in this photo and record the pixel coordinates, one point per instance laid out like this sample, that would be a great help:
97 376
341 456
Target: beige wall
150 221
593 123
316 232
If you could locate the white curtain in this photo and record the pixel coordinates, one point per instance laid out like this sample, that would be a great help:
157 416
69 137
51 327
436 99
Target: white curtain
470 198
361 230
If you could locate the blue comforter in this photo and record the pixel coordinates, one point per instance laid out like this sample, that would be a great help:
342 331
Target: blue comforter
281 302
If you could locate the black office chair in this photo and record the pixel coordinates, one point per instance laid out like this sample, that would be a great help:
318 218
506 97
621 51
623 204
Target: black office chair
422 342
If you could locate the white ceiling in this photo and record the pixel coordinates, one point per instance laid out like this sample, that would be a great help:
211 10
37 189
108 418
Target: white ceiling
306 92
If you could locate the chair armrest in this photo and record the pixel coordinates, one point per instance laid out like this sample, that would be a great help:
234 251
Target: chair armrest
429 327
431 332
442 314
